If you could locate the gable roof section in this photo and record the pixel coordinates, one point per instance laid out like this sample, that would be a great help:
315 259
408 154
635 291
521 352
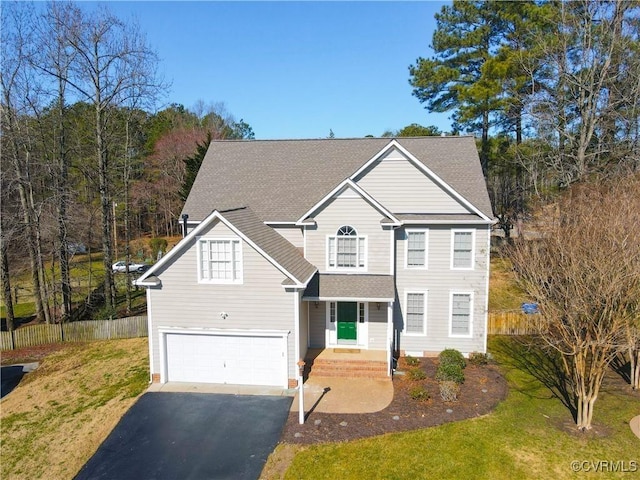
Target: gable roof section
274 245
348 183
422 166
280 180
270 244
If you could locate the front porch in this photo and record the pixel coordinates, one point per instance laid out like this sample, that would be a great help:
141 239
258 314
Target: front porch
346 362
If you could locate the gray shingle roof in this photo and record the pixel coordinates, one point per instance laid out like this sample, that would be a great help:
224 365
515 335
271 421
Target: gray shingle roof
282 179
271 242
328 285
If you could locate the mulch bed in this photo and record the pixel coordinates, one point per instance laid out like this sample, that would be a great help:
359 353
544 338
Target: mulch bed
483 389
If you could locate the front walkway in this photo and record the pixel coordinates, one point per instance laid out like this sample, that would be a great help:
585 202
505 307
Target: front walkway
345 395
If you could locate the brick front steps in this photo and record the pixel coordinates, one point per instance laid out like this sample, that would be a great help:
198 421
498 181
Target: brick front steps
333 367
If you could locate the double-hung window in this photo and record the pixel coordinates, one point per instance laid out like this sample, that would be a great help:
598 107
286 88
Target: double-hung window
462 242
416 251
346 250
461 314
220 261
416 313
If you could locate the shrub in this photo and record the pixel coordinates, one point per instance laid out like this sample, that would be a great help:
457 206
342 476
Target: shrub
449 391
157 245
477 358
105 313
452 356
420 394
411 361
416 373
450 372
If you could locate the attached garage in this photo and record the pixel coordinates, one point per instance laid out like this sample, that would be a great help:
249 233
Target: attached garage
229 357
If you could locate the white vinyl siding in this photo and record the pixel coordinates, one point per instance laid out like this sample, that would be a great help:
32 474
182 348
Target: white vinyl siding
461 316
462 242
220 261
416 313
401 187
417 248
259 302
439 281
373 248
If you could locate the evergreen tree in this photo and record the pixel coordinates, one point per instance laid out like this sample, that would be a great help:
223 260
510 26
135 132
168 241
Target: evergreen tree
467 35
192 165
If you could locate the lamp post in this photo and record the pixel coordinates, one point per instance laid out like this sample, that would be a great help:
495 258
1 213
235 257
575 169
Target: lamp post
301 392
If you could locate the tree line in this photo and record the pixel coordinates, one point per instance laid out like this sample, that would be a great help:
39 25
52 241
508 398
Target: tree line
550 88
83 159
552 91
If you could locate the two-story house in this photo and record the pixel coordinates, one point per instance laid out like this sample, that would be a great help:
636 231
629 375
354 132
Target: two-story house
343 252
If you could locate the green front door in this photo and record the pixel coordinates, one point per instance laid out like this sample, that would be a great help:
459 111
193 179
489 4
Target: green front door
347 320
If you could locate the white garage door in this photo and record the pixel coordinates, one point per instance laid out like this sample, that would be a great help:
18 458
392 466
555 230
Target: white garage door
233 359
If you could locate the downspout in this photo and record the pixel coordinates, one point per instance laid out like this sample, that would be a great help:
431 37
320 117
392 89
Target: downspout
185 217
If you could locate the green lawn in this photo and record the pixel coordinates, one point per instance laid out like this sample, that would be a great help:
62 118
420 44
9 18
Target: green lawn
530 435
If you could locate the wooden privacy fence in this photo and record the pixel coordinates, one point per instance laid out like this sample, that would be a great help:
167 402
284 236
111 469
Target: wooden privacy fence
33 335
506 323
510 323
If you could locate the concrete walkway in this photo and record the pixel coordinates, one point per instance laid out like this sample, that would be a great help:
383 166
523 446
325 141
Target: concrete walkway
321 394
186 387
345 395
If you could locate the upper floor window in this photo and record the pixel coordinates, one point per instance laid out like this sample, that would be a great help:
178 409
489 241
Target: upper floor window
416 249
462 249
220 261
346 249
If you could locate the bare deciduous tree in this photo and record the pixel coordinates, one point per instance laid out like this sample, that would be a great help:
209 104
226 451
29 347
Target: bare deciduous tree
585 275
113 64
18 84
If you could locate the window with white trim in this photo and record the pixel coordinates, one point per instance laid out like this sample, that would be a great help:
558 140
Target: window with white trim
461 304
332 312
416 313
462 249
416 249
220 261
346 249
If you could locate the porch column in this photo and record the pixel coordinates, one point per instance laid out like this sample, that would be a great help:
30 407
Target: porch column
297 299
390 337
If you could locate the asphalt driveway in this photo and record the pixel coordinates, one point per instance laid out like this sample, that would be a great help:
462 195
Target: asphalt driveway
191 436
11 375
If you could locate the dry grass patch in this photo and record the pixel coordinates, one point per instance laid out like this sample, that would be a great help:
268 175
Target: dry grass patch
279 461
504 293
57 417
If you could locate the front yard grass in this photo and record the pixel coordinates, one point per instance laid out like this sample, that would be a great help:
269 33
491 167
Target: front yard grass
54 421
530 435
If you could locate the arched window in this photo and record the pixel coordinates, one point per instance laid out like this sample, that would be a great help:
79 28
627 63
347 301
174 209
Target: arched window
346 231
346 249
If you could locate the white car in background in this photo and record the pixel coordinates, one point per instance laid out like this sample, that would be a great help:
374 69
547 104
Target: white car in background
121 267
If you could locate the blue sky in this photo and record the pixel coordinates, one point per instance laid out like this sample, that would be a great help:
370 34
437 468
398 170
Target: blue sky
294 69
